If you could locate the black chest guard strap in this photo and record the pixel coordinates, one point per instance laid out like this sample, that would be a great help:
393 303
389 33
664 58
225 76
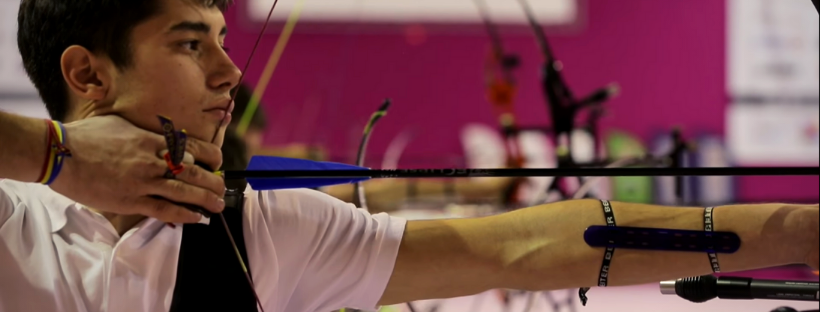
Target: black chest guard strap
209 276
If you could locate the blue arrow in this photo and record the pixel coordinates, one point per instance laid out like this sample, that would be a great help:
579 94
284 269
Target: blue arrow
271 173
269 163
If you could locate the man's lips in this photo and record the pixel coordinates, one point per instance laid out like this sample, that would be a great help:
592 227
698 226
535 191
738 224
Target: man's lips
221 111
225 106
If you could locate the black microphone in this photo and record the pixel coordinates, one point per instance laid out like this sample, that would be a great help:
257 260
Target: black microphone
704 288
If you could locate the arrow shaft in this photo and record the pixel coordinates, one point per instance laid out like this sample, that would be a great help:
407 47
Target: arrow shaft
528 172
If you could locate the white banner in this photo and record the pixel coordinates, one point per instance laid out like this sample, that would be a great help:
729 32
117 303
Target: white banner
773 48
551 12
774 134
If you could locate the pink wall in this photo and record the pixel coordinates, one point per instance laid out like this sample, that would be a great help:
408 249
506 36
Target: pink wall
668 57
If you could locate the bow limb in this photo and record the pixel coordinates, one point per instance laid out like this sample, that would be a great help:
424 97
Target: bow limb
359 198
540 35
555 87
270 67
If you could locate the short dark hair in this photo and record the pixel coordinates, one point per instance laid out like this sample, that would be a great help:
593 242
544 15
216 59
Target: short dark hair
243 98
48 27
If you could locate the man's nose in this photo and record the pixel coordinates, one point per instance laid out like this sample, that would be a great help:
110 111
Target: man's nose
226 76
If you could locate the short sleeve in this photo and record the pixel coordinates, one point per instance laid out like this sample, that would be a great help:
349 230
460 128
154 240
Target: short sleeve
330 254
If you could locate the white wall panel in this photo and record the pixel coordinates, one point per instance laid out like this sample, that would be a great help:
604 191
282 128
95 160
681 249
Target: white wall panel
554 12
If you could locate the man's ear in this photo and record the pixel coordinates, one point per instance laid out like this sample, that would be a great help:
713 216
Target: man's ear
85 74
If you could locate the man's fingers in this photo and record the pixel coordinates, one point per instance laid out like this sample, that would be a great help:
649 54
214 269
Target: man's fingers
187 159
194 175
166 211
206 153
183 193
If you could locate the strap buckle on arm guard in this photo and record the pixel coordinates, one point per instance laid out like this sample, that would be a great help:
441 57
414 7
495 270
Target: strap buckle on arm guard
611 236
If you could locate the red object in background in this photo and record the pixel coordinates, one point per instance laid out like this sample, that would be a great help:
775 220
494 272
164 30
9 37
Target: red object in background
415 35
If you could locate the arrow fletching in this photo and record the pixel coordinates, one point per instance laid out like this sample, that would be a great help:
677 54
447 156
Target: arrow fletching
269 163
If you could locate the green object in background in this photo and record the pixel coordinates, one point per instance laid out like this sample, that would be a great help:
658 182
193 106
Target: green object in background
628 189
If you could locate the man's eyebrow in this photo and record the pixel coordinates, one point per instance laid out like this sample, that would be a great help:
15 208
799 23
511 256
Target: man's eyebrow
197 27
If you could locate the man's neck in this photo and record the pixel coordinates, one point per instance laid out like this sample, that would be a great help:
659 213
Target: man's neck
121 223
82 110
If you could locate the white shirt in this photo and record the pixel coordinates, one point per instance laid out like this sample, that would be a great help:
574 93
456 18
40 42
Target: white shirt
308 252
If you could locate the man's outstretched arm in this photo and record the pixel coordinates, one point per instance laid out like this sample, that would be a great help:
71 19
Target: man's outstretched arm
542 248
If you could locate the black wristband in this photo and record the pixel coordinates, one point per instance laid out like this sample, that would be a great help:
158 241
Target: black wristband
603 277
709 228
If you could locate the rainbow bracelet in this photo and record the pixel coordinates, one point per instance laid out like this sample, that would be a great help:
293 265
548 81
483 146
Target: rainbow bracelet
57 152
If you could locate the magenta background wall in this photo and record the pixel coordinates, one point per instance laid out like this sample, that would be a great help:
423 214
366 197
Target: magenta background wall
668 57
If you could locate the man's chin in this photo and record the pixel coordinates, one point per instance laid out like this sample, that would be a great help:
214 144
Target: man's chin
208 135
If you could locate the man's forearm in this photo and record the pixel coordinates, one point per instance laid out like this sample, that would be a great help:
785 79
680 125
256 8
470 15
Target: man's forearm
543 248
23 142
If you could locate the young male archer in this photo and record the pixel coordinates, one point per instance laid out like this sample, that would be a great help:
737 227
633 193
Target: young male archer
81 243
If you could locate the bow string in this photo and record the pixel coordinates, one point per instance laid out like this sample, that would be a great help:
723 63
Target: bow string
257 95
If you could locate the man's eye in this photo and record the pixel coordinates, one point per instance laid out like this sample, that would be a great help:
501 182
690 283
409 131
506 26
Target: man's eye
191 45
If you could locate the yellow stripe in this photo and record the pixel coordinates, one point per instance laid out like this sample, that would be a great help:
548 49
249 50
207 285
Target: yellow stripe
372 121
241 261
53 158
59 131
50 167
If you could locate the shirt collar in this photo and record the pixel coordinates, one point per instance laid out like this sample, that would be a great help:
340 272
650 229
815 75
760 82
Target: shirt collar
55 205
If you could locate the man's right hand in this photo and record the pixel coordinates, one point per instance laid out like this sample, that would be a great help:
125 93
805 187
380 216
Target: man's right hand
116 167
